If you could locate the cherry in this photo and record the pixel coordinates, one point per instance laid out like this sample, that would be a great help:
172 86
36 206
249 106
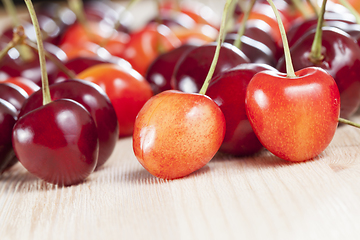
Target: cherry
191 70
127 89
294 115
57 142
96 102
8 117
228 91
256 51
161 69
14 65
177 133
294 118
27 85
13 94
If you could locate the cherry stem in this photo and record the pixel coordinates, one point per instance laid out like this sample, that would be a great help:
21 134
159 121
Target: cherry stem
220 41
289 66
348 122
315 53
70 74
18 38
299 5
351 9
44 76
241 30
11 10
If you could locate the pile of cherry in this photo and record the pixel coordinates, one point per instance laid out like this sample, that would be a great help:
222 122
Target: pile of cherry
107 81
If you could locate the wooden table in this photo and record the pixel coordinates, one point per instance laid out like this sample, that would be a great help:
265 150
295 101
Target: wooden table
257 197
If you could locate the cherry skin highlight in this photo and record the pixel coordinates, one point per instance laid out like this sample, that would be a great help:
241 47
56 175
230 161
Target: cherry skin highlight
57 142
177 133
294 118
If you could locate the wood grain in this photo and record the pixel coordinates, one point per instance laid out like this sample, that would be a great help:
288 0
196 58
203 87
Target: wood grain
257 197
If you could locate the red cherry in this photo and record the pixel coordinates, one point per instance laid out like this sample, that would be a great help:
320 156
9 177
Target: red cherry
191 70
228 91
13 94
177 133
57 142
294 118
27 85
161 69
8 117
127 89
96 102
14 65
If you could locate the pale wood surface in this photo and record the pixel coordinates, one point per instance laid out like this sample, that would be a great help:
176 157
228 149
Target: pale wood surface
257 197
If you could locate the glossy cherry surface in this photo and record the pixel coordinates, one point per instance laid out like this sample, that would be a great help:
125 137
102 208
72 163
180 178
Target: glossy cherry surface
161 69
294 118
14 65
256 51
8 117
341 60
228 91
127 89
177 133
192 69
27 85
13 94
57 142
96 102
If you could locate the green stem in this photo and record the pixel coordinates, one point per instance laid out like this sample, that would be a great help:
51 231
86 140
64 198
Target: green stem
70 74
217 50
44 76
351 9
289 66
315 53
345 121
241 31
11 10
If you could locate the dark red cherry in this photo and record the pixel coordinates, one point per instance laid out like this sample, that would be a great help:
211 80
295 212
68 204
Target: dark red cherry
14 65
228 91
8 117
57 142
192 69
13 94
341 60
94 99
161 69
256 51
